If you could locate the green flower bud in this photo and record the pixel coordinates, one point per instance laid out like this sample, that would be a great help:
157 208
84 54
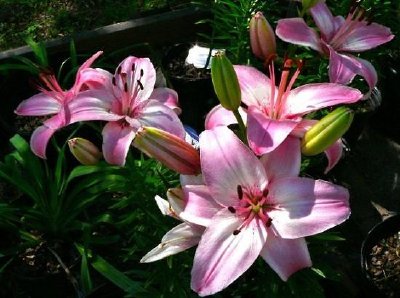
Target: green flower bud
84 151
327 131
262 37
225 81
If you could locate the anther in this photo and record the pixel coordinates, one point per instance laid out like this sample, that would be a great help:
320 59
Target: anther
141 72
140 84
235 232
269 222
133 67
231 209
265 193
240 192
113 81
119 69
126 87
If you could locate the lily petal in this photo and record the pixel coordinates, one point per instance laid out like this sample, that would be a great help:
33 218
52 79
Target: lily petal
178 239
155 114
167 96
364 36
368 72
265 134
284 161
333 153
342 68
39 140
324 19
39 105
286 256
306 206
200 206
117 139
219 116
311 97
296 31
221 257
241 168
255 86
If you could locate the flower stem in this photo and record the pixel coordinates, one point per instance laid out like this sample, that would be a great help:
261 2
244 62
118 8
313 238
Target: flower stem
242 127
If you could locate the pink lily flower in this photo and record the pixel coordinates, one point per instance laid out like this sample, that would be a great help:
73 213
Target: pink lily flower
129 101
263 209
274 113
55 101
338 38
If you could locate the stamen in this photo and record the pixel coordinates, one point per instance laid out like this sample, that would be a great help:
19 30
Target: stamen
126 87
119 69
265 192
231 209
140 84
141 72
269 222
240 192
235 232
113 81
133 67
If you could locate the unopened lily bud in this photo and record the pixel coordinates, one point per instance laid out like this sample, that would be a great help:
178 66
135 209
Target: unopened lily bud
84 151
169 149
225 81
262 37
327 131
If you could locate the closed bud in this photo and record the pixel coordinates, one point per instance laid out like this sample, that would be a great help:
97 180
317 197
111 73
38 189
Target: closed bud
225 81
169 149
84 151
262 37
327 131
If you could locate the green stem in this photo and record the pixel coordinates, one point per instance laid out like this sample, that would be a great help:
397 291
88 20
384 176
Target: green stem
242 127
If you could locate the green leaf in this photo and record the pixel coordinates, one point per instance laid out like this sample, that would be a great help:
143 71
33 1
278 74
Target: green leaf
86 281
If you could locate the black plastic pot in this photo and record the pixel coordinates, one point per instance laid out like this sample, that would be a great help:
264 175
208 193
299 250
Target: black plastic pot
382 230
194 86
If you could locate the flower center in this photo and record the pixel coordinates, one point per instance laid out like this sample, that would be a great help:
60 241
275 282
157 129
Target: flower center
252 203
128 85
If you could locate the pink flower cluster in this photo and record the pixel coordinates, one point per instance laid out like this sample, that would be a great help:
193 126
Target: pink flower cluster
238 199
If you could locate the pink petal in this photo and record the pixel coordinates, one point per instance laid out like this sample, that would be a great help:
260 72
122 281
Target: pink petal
117 139
284 161
296 31
303 127
255 86
364 37
220 116
178 239
311 97
93 105
167 96
90 61
324 19
164 206
342 68
200 206
265 134
333 153
368 72
222 170
137 69
90 78
221 257
306 207
39 105
154 114
191 180
39 140
286 256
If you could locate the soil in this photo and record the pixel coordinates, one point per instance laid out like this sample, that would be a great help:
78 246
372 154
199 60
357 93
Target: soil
384 266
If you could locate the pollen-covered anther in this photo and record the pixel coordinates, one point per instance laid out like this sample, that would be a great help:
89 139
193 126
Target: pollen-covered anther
235 232
240 192
231 209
